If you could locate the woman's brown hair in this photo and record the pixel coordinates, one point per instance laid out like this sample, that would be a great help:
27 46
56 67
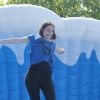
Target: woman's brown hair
44 26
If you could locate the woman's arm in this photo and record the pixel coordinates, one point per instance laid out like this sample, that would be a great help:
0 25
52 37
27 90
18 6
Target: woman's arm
14 40
59 49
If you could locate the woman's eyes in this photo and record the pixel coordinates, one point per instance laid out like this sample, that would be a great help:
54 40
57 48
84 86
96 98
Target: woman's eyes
49 31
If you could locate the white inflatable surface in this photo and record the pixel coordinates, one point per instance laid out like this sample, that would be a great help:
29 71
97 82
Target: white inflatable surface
76 73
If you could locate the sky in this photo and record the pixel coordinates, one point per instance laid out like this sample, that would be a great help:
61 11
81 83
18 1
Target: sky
4 1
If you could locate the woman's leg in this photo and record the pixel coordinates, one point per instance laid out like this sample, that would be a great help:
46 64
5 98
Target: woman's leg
48 89
47 85
32 85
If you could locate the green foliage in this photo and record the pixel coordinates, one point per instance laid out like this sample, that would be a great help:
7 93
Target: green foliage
93 8
64 8
1 3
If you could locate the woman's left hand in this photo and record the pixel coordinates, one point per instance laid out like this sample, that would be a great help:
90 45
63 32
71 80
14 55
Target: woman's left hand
60 50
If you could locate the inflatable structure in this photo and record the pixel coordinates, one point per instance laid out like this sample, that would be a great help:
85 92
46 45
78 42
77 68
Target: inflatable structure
76 72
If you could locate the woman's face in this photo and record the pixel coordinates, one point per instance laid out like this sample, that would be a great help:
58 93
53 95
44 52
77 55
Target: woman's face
48 32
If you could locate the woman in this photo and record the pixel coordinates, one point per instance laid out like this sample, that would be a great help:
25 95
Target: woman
41 60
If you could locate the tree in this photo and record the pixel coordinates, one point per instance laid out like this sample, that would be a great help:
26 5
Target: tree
64 8
1 3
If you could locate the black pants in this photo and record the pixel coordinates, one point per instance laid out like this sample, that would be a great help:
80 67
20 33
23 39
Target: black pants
39 77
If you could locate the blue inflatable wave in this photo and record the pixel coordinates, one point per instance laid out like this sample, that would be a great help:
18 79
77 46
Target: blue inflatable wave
78 82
